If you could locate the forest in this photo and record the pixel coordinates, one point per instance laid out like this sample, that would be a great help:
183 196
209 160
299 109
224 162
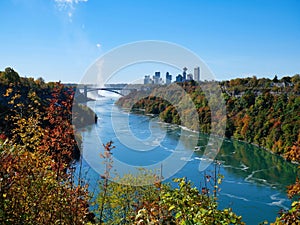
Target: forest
37 153
262 111
39 183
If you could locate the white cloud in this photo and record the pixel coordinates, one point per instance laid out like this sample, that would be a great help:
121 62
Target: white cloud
98 45
68 5
66 2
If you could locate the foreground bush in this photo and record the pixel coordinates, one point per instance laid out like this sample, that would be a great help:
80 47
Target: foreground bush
32 193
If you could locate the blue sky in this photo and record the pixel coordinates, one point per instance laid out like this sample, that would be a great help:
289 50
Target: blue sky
60 39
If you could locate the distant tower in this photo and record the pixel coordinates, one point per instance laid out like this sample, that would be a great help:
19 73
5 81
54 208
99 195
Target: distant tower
156 78
168 78
189 76
184 74
197 74
147 79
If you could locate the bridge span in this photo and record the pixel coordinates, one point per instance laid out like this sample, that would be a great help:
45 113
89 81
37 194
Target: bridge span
118 89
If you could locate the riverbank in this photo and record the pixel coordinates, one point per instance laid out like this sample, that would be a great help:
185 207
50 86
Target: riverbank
250 173
250 118
142 111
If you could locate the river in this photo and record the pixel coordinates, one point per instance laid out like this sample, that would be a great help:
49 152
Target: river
255 180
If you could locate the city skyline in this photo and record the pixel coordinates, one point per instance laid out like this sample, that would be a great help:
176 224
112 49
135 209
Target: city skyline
156 79
60 39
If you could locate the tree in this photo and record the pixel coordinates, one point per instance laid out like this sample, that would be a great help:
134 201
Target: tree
11 76
58 139
275 79
31 192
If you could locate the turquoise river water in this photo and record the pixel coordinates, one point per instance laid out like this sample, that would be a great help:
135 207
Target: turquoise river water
255 180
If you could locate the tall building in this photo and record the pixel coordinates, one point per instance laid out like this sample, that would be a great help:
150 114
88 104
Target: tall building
156 78
197 74
179 78
189 76
184 74
168 78
147 80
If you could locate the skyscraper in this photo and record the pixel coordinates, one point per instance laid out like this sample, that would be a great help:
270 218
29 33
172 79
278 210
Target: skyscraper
168 78
156 78
184 74
197 74
147 80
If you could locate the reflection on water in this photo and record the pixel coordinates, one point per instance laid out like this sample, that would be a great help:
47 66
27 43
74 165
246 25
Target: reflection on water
255 180
256 165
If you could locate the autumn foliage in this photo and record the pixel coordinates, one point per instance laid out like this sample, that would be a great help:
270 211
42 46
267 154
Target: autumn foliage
258 111
37 150
38 179
32 193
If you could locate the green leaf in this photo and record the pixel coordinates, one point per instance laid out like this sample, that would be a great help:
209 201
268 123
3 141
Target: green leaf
178 215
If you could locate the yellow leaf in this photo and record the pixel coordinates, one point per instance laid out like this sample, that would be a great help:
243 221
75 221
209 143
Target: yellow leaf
171 207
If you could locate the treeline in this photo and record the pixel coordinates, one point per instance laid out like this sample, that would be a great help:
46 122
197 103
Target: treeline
29 96
263 112
38 149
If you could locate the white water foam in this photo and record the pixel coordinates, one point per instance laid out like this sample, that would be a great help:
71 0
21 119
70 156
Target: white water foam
277 201
186 159
244 167
233 182
204 159
234 196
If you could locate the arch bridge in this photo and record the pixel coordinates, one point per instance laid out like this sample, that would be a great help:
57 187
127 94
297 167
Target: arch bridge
115 89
